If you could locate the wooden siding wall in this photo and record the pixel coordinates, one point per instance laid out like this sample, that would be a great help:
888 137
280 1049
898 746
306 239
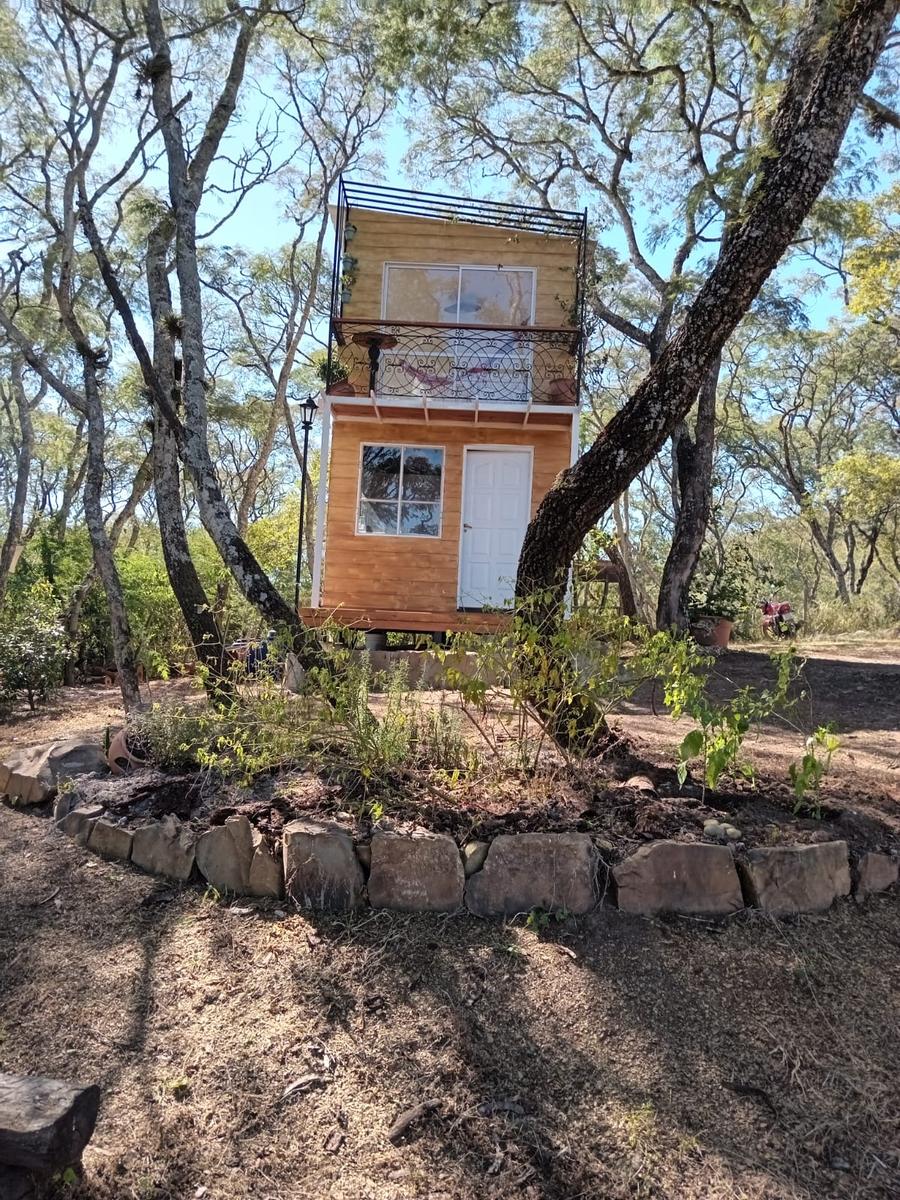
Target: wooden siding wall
404 573
392 237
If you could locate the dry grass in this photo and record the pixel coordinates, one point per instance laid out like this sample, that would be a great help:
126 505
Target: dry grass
607 1058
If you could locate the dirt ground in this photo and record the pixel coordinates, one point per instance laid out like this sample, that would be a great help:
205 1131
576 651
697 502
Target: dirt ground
247 1051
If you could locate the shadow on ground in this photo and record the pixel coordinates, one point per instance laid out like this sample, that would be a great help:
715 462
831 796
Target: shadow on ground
609 1057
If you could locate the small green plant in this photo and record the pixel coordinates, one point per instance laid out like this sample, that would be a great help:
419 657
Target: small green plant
179 1086
807 774
537 920
723 726
529 684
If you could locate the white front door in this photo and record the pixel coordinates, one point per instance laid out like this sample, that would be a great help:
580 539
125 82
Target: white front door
495 511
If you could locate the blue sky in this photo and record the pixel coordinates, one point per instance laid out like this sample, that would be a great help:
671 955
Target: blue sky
260 223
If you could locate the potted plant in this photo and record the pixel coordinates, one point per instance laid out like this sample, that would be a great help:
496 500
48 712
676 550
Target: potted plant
335 375
720 590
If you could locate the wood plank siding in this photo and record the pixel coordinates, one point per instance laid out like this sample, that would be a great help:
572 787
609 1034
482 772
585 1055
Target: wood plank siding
420 573
397 238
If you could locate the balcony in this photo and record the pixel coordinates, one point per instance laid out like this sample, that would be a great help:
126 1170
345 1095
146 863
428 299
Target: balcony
455 365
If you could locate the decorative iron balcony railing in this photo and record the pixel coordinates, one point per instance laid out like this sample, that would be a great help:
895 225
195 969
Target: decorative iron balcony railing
468 364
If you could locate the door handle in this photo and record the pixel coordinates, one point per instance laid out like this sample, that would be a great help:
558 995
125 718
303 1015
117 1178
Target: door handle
466 526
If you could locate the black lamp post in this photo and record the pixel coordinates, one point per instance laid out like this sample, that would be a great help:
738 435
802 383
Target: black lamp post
308 410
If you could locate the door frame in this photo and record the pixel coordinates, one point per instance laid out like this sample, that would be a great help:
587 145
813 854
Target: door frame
519 449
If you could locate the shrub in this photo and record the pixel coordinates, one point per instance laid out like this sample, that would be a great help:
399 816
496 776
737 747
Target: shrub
33 646
267 729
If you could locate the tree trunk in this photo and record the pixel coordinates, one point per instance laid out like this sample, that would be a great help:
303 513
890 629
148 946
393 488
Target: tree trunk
12 543
823 542
72 621
694 465
834 56
626 592
637 600
185 182
200 619
74 481
120 627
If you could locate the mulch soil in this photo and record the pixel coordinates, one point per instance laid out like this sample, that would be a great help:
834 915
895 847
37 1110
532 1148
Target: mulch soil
248 1052
245 1051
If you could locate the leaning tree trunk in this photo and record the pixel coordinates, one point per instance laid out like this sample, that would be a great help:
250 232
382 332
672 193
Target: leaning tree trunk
693 467
185 181
199 617
834 55
12 543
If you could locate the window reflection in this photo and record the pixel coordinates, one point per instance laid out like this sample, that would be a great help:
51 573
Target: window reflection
400 490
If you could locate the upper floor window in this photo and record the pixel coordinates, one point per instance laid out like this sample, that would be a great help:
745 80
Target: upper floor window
400 490
448 295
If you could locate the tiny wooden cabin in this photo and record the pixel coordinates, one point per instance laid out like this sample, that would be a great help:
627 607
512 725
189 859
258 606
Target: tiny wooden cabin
451 403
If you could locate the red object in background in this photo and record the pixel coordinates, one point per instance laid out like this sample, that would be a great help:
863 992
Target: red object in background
778 618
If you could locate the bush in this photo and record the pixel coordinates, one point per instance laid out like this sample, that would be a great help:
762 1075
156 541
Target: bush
33 646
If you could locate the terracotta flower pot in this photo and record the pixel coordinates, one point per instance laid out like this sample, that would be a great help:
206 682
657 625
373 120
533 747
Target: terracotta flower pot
121 759
342 388
712 631
562 391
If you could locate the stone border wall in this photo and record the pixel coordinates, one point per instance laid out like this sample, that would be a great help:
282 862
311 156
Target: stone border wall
321 868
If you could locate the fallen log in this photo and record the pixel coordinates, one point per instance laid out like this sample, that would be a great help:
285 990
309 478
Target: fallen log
45 1124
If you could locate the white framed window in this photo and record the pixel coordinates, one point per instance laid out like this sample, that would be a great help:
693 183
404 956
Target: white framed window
458 295
459 363
400 490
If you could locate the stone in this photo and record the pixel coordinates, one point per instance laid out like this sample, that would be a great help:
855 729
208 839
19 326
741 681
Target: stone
874 873
641 783
33 775
224 853
266 869
235 857
364 854
65 801
79 822
321 870
419 872
556 872
110 841
165 848
45 1124
16 1184
783 880
474 855
692 878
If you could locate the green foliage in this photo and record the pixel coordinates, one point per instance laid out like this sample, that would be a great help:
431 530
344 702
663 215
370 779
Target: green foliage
33 645
266 729
721 726
807 774
723 586
375 738
558 681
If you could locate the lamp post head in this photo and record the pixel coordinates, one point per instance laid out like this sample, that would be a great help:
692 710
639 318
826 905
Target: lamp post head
308 410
